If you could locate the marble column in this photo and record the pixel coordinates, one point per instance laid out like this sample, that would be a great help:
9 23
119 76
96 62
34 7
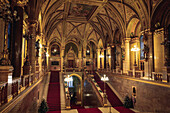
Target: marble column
62 57
2 26
126 62
80 59
98 58
151 55
84 56
109 57
31 45
102 52
17 36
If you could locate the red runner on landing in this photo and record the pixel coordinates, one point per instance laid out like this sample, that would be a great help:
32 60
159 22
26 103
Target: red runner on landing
113 99
122 109
53 97
89 110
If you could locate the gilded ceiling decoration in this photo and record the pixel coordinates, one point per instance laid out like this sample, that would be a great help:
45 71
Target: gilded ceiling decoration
91 19
81 10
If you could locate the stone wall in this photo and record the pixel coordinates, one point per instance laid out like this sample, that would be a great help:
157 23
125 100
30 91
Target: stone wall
150 97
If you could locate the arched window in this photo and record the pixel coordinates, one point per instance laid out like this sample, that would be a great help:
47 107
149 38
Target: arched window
141 48
70 83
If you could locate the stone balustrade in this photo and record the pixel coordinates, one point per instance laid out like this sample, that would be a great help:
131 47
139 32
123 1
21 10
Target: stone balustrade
137 73
157 76
8 91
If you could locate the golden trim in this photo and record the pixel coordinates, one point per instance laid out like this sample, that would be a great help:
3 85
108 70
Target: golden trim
12 104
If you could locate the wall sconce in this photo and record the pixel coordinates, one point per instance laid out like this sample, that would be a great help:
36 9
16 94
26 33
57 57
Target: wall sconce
47 55
135 50
101 56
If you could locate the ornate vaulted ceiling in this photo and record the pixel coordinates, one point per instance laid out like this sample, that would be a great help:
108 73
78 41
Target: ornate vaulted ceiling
91 20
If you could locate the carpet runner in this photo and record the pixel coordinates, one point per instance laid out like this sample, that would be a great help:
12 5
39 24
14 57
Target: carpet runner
53 97
122 109
113 99
89 110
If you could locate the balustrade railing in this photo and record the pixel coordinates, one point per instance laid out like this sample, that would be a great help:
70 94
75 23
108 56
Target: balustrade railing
17 86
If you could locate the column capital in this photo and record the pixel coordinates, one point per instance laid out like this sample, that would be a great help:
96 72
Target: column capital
31 23
159 31
127 40
22 3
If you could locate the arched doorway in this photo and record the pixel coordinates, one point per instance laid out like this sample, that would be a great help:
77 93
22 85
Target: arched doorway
75 89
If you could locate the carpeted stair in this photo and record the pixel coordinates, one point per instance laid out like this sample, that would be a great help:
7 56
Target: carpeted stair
53 97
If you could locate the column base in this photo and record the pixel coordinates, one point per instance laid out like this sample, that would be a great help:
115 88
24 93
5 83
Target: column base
68 107
118 69
105 105
5 71
9 98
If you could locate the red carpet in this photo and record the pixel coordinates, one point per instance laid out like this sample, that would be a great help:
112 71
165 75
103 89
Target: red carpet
123 110
53 97
76 107
89 110
113 99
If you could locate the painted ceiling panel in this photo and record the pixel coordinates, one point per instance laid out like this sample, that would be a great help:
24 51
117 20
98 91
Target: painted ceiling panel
102 11
92 36
60 28
95 19
89 31
80 10
69 27
129 13
81 29
154 2
75 23
55 34
61 7
119 7
44 6
74 32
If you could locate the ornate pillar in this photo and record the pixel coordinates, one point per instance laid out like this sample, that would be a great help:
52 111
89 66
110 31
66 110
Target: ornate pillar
109 58
98 58
62 58
84 56
16 59
159 52
102 58
166 45
150 63
80 59
2 25
31 44
48 58
126 62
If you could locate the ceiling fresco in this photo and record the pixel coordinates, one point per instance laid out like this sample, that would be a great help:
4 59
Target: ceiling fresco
81 10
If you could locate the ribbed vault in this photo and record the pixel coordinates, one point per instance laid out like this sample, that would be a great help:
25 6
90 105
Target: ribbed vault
85 21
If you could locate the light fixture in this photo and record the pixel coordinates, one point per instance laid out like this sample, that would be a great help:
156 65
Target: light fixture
40 45
47 55
135 49
104 79
55 50
101 56
68 79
